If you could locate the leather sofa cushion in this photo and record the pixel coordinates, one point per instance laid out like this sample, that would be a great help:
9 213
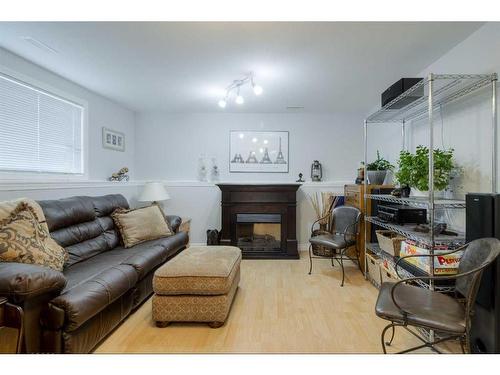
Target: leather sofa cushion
98 281
82 224
148 255
106 204
62 213
199 270
86 299
174 222
143 258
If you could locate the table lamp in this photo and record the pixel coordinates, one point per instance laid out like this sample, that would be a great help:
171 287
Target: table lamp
153 192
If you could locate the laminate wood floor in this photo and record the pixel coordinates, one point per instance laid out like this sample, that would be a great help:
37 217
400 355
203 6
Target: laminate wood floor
278 308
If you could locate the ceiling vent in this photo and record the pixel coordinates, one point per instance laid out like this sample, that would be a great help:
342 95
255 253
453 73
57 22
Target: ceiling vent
39 44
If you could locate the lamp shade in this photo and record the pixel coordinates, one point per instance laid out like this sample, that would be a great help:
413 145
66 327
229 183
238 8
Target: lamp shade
153 192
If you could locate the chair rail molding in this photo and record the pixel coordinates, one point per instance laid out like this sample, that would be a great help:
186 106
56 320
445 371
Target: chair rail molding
20 185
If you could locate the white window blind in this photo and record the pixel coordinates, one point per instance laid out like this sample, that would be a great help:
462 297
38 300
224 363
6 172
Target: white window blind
39 131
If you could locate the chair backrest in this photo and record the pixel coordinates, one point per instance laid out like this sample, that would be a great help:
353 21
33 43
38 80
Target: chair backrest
345 217
478 255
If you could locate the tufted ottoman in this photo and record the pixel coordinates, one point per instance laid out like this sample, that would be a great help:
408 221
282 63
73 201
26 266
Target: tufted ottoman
198 285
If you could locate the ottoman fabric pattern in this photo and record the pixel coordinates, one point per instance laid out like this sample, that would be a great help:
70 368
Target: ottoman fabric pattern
198 270
198 285
194 308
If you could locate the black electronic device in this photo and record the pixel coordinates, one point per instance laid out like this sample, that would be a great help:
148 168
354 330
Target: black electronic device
372 236
483 220
400 87
402 214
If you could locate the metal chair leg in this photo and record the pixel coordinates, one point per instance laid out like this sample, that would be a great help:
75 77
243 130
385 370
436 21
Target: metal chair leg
342 266
310 260
392 336
357 257
382 336
333 265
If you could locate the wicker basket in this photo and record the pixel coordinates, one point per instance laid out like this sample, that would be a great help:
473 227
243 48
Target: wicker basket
373 265
322 251
389 242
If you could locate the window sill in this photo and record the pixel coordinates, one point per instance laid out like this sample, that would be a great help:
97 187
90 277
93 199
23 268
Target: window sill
51 185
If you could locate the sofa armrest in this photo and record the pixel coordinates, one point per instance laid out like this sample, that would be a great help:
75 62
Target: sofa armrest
174 222
20 282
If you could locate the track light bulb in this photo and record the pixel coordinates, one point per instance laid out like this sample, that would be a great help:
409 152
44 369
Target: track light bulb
257 89
239 99
222 103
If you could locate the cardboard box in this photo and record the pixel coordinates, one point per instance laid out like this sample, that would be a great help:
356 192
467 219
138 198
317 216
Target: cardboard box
443 264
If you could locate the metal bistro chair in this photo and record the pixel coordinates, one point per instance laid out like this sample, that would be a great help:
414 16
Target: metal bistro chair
407 305
344 228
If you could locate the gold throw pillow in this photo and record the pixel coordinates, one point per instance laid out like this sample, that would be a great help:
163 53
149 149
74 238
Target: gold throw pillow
23 239
140 224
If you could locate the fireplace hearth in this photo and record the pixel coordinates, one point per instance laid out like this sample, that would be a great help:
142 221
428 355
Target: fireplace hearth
260 220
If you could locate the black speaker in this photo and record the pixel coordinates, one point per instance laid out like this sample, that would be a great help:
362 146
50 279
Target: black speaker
483 220
479 217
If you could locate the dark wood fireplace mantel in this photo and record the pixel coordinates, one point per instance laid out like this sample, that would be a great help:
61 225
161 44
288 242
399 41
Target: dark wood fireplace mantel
248 208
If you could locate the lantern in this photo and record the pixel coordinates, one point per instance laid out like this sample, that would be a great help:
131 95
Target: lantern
316 171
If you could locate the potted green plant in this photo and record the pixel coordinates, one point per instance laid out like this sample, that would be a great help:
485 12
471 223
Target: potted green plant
377 170
413 169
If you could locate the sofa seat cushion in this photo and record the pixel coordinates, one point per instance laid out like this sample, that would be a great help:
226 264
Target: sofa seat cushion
199 270
143 258
147 256
87 298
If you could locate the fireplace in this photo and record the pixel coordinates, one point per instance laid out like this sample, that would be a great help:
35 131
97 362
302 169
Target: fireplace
258 232
260 220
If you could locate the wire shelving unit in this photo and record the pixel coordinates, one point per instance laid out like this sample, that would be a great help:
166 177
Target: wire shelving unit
433 92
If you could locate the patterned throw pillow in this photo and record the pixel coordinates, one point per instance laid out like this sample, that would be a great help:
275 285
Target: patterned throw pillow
140 224
23 239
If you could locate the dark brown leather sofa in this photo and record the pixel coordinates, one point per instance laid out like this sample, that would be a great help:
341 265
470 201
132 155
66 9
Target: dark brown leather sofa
102 282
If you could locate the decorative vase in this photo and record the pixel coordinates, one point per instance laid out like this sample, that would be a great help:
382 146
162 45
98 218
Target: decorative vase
202 170
214 171
376 177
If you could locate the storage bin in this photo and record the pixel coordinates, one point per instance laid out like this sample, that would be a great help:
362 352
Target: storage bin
443 264
389 242
373 268
387 276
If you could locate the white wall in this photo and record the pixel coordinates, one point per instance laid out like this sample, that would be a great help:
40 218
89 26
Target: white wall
467 124
102 162
102 112
168 147
464 125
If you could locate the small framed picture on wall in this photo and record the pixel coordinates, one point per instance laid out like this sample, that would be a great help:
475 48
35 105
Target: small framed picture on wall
113 140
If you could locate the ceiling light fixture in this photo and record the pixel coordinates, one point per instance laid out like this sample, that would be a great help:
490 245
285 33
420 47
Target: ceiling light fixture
239 99
234 89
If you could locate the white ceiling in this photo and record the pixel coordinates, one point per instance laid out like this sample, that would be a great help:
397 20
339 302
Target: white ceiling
184 67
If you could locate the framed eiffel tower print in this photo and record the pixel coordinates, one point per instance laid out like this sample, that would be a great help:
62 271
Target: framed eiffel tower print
258 151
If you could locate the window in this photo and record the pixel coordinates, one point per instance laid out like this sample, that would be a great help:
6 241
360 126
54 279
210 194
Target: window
39 131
